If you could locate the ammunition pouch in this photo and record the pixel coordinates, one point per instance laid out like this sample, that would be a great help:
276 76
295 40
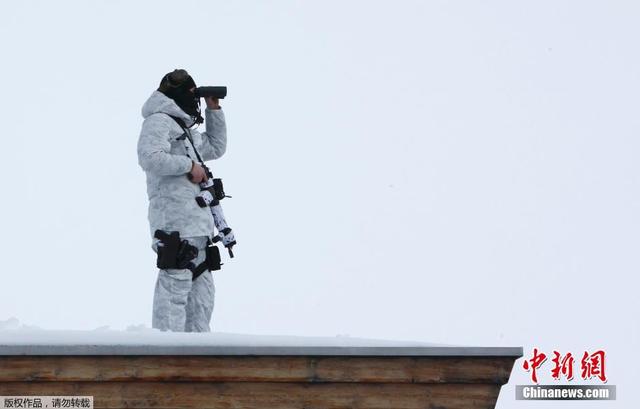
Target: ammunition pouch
211 262
218 189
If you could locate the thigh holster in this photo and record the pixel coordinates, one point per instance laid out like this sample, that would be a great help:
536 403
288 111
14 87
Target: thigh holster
173 252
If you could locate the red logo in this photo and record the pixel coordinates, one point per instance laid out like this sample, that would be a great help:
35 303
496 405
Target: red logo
534 363
591 365
563 366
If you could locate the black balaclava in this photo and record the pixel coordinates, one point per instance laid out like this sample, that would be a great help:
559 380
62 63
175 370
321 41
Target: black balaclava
176 85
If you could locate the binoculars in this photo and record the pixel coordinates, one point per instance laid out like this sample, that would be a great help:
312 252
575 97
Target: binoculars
215 92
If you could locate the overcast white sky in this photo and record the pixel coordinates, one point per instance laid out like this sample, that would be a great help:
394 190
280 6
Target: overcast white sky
447 171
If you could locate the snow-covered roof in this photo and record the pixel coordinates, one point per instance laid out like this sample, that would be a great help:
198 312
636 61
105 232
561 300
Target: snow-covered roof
17 339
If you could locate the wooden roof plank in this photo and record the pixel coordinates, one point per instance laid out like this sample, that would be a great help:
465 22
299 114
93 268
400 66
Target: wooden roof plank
257 369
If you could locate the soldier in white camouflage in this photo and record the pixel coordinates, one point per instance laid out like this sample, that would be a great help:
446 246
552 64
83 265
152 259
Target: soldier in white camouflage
173 174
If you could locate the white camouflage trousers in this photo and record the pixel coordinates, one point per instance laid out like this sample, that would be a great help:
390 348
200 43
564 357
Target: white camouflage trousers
181 304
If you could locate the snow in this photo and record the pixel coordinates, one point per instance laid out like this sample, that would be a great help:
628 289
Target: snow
13 332
20 339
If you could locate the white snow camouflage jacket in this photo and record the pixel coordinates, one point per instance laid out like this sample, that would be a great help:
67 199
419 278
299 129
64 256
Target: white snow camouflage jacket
167 160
